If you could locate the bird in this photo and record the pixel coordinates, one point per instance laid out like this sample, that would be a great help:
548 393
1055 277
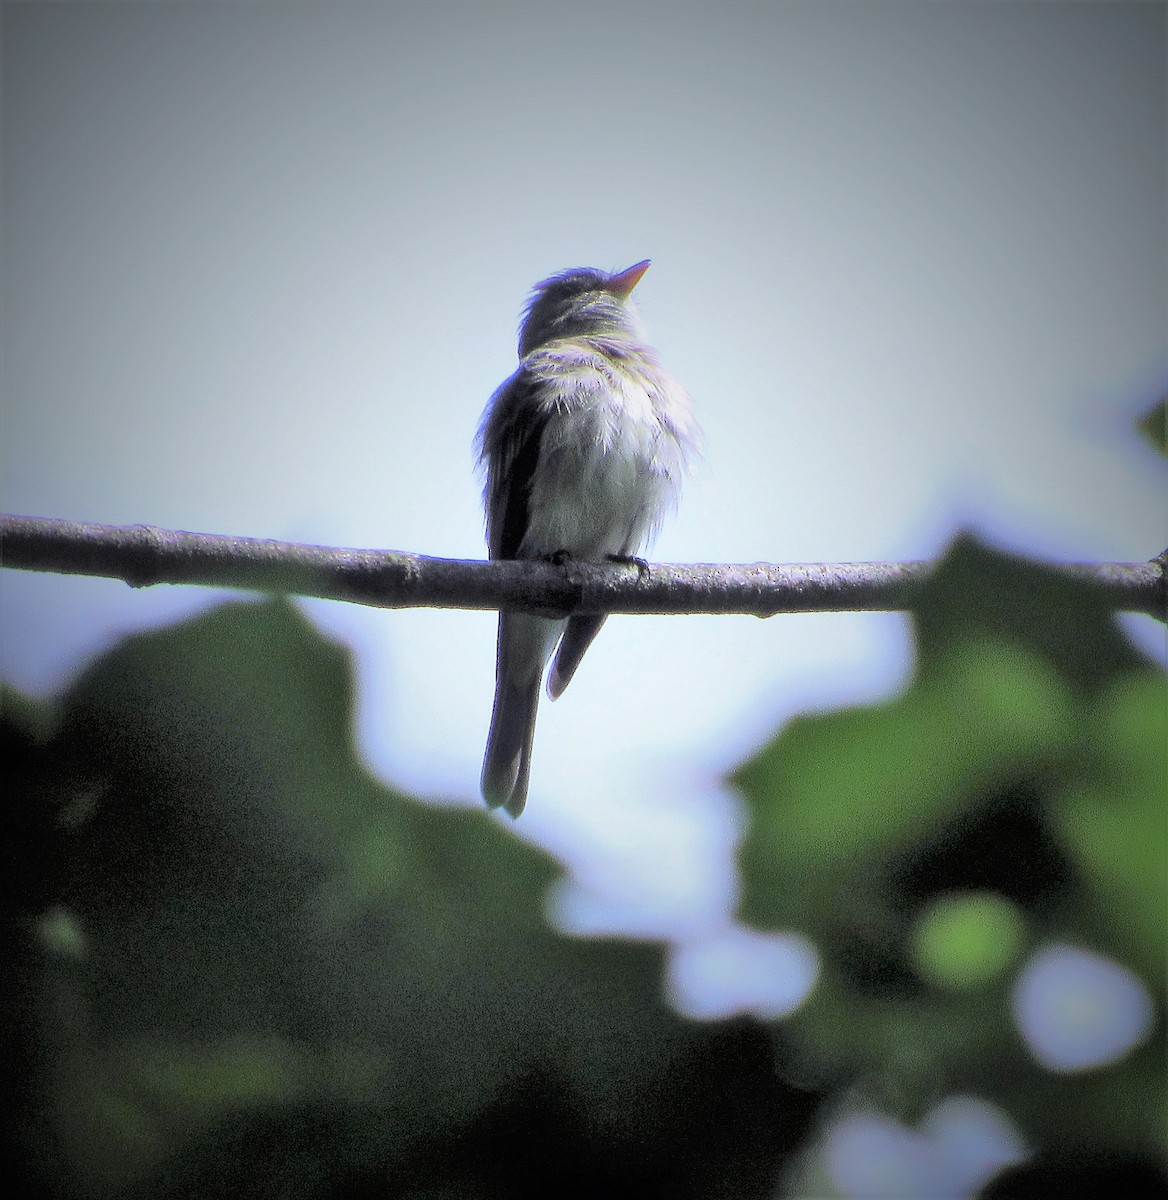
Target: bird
584 449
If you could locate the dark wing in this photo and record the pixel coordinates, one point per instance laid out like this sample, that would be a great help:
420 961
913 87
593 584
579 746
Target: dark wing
509 443
578 636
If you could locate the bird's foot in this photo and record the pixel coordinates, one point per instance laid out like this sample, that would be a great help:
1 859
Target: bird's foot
631 560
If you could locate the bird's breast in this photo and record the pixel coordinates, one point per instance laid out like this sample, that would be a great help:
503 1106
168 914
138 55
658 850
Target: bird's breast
610 461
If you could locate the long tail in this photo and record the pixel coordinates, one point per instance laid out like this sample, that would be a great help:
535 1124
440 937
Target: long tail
524 646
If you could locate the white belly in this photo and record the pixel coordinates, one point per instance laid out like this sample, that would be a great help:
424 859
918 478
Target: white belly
609 470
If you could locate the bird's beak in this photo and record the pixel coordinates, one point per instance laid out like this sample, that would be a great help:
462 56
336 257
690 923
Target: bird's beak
621 285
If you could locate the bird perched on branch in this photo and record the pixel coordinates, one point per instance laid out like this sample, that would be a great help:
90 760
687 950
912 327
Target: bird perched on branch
584 447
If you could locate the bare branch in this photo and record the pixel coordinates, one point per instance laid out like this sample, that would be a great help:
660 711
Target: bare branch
142 555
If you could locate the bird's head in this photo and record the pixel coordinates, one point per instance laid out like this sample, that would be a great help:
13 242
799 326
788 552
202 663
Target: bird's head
581 302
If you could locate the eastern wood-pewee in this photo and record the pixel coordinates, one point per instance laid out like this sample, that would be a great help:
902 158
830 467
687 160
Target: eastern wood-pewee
584 449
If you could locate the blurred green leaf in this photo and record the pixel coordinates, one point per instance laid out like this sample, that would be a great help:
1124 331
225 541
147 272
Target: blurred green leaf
1014 793
978 593
966 940
1114 822
835 797
281 975
1154 426
26 720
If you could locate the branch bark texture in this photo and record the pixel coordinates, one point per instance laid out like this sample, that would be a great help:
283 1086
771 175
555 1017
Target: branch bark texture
142 555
